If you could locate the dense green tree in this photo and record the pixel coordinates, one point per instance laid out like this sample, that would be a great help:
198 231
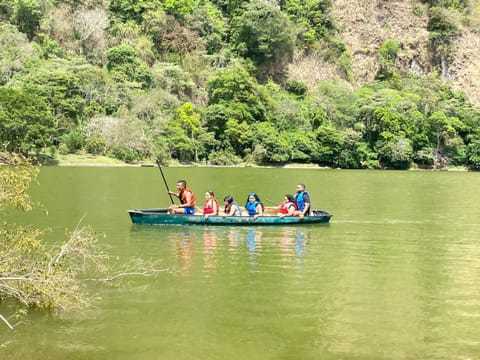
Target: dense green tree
178 143
239 136
26 15
350 156
394 151
216 117
473 154
336 103
237 90
269 146
330 143
74 90
287 111
387 110
125 65
388 54
133 9
211 25
180 8
189 120
445 130
5 8
264 34
174 79
314 15
26 123
304 146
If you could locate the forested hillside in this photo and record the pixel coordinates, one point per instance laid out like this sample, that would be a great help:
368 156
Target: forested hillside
350 84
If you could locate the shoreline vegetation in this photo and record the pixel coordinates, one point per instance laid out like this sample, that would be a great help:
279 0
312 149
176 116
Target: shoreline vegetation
237 83
104 161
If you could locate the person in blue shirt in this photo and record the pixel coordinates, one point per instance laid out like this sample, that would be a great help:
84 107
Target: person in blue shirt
254 206
302 200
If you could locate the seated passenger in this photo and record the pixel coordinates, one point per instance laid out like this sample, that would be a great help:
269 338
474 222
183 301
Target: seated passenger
254 206
231 206
210 207
302 200
288 206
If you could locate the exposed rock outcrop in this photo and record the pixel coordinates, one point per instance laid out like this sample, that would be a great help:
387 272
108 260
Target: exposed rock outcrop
365 25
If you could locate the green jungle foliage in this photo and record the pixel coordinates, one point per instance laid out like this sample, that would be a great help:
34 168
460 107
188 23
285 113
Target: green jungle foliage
207 81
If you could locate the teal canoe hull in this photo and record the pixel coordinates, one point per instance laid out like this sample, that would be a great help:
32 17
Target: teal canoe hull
161 217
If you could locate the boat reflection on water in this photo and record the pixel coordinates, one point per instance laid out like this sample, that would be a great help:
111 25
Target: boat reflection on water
185 249
210 247
253 240
293 242
202 246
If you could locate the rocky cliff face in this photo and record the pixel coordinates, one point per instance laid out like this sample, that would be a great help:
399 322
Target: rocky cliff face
364 26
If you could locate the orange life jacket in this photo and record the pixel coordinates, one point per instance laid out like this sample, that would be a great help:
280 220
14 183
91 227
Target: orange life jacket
183 197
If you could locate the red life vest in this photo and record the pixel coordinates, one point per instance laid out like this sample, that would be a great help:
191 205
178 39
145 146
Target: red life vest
208 207
284 208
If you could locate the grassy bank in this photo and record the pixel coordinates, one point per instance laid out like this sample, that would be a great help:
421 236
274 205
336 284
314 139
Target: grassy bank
93 160
82 160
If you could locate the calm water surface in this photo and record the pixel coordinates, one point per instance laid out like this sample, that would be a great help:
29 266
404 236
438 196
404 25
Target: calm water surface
395 275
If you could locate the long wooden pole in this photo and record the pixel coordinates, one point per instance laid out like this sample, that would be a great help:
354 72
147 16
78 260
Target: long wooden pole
165 181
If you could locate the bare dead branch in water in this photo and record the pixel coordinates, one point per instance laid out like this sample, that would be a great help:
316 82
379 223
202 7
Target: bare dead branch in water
6 322
146 273
37 275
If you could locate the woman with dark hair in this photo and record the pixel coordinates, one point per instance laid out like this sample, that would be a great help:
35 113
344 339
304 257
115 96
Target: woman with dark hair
231 206
288 206
254 206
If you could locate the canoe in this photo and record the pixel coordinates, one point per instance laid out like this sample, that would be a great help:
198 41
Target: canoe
162 217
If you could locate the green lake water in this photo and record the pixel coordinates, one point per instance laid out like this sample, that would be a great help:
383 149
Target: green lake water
395 275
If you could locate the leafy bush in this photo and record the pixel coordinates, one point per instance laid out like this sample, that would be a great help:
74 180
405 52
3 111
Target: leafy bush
264 34
223 157
26 123
296 87
74 140
27 15
443 22
124 62
473 154
125 154
95 145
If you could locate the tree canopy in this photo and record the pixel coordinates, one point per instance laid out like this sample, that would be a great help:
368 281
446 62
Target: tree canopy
218 81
